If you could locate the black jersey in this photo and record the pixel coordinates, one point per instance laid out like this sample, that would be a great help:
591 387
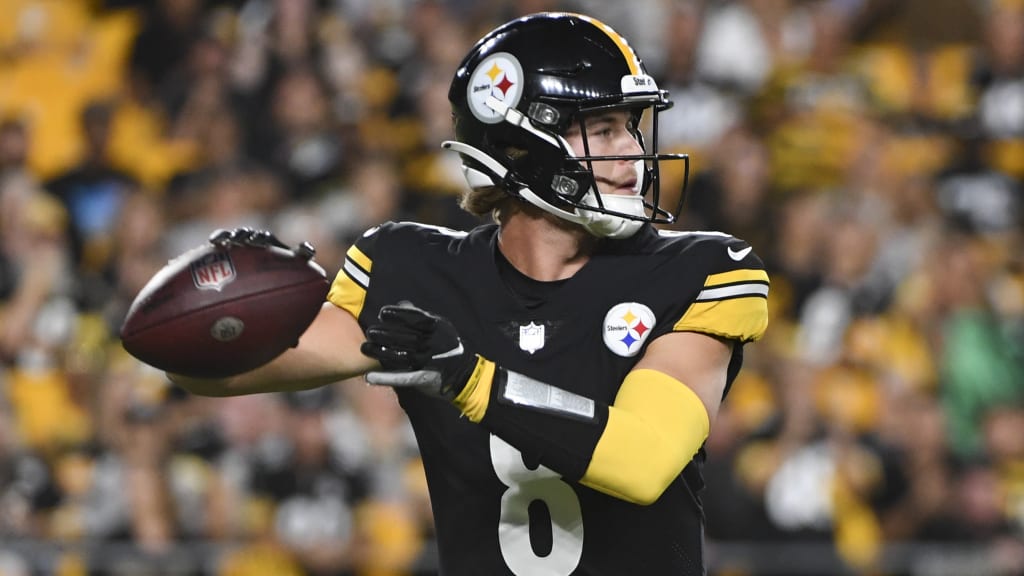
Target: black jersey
498 512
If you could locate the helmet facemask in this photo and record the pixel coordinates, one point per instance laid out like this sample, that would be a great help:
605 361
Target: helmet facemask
618 215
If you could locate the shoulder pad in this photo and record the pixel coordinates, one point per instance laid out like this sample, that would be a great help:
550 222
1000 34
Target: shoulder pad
352 282
733 301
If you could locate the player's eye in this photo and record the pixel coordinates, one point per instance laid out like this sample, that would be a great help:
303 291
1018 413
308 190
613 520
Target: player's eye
602 130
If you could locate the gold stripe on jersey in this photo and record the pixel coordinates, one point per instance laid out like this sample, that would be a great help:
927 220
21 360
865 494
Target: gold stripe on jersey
349 288
361 261
669 440
476 396
732 305
736 276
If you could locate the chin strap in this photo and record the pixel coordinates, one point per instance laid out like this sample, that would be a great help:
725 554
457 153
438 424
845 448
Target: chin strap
480 156
597 223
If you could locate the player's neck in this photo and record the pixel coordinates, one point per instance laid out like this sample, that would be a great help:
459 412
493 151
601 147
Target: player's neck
542 249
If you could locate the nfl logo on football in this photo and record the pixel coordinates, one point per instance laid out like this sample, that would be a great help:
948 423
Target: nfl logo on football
531 337
213 271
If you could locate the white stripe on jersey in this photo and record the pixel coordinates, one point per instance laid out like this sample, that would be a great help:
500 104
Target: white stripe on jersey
356 273
676 233
735 291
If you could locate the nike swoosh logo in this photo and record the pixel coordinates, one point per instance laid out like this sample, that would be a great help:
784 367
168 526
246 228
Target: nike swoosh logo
738 255
453 352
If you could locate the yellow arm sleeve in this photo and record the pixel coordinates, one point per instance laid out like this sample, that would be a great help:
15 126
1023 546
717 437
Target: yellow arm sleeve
654 428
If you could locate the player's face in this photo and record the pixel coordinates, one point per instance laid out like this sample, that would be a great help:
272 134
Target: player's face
609 133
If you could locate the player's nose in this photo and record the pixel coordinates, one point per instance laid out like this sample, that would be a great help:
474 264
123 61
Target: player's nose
629 146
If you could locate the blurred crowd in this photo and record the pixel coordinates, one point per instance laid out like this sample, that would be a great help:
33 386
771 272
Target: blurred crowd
872 151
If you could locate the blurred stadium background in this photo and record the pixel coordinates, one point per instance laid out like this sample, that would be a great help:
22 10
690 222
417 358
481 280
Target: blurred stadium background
871 150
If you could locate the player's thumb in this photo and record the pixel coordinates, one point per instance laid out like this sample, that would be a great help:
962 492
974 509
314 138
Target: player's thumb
429 380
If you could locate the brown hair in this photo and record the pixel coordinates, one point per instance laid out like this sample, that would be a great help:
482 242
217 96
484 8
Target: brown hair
485 200
492 200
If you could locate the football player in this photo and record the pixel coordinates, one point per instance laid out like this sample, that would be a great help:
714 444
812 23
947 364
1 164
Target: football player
563 366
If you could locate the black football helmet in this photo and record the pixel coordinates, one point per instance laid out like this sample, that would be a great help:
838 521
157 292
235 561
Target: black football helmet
517 92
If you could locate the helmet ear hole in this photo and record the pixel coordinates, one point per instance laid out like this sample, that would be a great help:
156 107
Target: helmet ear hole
516 154
544 114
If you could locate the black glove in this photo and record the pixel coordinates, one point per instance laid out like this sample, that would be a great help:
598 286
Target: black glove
418 349
245 236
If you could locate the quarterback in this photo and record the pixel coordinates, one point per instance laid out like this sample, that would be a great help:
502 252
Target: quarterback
562 366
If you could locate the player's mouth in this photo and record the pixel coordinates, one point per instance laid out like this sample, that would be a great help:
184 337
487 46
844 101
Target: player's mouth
628 187
625 187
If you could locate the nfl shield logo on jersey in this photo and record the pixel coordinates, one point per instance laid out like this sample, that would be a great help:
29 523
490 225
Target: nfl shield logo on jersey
531 337
213 271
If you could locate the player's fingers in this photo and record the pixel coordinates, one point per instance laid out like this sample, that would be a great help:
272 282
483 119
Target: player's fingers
390 358
396 336
409 316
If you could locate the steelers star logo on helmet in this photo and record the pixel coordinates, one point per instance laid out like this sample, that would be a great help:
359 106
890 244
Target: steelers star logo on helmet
626 327
500 75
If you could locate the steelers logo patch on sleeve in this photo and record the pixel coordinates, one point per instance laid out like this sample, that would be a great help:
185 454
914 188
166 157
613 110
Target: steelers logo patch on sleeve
626 327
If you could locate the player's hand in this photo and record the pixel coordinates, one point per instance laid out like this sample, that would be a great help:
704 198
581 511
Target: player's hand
261 238
418 349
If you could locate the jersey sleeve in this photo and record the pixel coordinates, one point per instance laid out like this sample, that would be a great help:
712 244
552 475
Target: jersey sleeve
733 302
352 282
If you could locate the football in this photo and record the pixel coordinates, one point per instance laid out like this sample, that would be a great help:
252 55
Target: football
225 307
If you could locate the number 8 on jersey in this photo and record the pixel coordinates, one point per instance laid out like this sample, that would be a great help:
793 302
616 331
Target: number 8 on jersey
526 486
